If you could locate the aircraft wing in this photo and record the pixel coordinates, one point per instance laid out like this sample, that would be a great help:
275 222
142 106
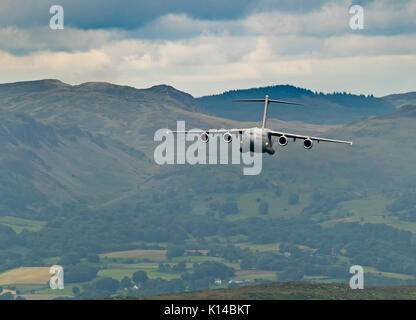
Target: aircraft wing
208 131
298 136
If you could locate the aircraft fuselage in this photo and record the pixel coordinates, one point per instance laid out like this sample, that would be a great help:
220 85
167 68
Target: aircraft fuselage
257 140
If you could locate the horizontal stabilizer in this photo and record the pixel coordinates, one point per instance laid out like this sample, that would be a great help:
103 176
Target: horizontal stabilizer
269 100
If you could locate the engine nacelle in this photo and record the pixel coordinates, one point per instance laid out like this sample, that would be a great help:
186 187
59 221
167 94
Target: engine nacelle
204 137
307 143
283 140
227 137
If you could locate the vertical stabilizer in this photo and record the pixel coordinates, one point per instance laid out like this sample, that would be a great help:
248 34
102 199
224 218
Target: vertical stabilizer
266 106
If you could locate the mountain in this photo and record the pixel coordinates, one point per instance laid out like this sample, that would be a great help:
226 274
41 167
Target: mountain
319 108
45 164
63 140
405 111
78 177
81 137
401 99
74 134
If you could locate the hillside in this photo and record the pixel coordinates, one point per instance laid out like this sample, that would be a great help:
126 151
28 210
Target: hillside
401 99
78 179
71 136
66 141
319 108
405 111
39 164
295 291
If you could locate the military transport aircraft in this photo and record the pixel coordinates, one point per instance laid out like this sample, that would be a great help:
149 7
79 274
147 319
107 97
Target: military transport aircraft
260 139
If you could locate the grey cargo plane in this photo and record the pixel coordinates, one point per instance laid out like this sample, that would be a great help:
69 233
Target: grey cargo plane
260 139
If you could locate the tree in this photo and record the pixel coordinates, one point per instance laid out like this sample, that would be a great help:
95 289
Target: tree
92 257
263 208
176 285
126 283
107 285
179 267
76 290
289 275
278 191
293 199
175 251
199 284
80 273
230 207
140 277
7 296
69 259
212 270
164 267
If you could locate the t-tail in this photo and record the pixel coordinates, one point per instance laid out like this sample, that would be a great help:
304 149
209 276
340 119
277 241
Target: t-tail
266 100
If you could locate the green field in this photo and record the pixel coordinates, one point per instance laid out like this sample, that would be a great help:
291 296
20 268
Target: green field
371 210
259 247
19 224
151 255
119 271
278 206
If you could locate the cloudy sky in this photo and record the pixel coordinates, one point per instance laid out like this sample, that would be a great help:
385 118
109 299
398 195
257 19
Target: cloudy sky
209 46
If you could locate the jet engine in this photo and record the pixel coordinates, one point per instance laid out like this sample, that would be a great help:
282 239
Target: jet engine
283 141
204 137
227 137
307 143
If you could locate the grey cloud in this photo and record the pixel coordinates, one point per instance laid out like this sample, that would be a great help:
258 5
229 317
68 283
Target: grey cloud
127 14
133 14
145 18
